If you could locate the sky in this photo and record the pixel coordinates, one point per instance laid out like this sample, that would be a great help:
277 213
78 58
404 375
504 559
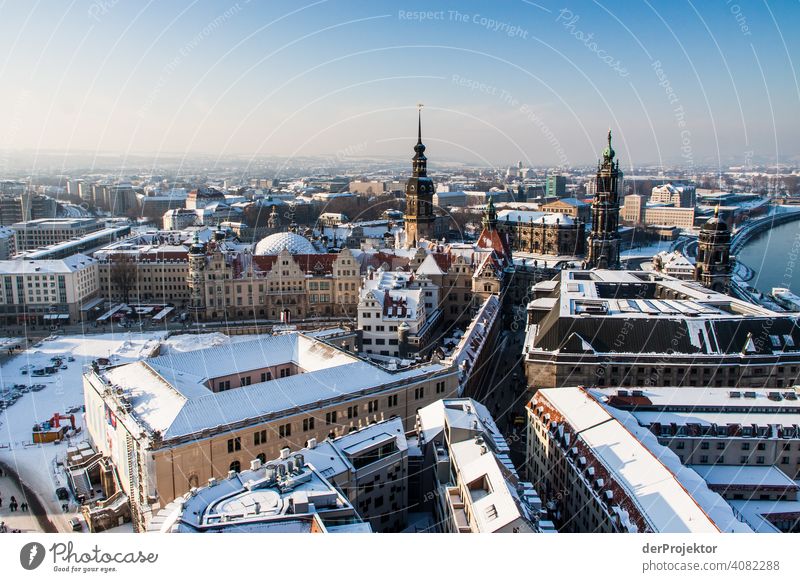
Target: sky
690 83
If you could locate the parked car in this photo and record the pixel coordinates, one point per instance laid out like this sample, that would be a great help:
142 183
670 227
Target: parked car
75 524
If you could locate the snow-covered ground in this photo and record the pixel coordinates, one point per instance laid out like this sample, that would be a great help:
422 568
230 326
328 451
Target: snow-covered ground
35 464
647 251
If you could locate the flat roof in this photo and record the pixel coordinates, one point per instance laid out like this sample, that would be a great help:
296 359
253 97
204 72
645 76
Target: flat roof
744 475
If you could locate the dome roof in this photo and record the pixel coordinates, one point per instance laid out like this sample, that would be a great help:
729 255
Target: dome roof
294 243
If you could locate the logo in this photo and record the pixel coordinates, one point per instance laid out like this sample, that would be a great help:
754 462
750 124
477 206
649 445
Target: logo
31 555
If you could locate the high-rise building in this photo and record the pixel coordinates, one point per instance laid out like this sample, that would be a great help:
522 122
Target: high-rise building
419 217
603 241
556 186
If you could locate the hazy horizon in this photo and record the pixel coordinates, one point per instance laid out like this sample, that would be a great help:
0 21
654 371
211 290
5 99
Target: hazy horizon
683 84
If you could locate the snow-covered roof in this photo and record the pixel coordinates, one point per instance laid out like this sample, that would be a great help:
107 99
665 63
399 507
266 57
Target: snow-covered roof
294 243
45 266
744 476
671 497
711 396
429 267
169 393
528 216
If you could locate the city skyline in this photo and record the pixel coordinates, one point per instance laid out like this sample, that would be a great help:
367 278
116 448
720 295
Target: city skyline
685 85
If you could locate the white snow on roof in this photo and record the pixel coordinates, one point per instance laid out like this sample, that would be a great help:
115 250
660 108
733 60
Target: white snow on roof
746 475
527 216
45 266
711 396
168 393
648 471
429 267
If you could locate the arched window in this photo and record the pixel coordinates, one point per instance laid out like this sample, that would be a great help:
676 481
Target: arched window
235 466
193 481
262 457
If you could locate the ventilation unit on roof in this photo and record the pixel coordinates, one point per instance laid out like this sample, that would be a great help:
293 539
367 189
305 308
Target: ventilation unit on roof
749 394
775 396
622 392
637 393
790 396
735 394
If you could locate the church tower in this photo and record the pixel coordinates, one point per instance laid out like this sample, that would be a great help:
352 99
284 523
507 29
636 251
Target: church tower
490 216
419 216
196 276
603 241
713 266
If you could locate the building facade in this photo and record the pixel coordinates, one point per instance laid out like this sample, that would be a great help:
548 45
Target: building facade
634 328
47 291
169 423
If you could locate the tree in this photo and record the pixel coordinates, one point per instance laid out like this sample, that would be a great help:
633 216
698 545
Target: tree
123 274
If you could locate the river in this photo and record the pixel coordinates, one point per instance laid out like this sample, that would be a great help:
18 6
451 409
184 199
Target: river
770 255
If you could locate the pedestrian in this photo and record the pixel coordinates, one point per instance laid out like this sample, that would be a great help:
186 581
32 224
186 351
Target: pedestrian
13 499
24 506
1 502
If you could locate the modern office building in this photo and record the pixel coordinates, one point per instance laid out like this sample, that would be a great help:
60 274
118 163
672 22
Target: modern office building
48 291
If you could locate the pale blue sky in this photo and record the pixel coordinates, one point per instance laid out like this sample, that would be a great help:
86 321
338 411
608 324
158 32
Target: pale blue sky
500 81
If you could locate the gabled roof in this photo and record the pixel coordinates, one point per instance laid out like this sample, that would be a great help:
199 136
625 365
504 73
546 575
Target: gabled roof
430 267
491 238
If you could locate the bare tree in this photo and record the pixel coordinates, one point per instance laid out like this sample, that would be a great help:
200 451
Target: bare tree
123 274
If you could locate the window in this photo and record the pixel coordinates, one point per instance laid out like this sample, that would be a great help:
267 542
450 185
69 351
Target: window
352 411
235 466
745 446
372 406
330 417
260 437
392 401
761 446
704 446
261 457
308 424
419 393
760 460
285 430
681 445
235 444
439 387
704 458
720 446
